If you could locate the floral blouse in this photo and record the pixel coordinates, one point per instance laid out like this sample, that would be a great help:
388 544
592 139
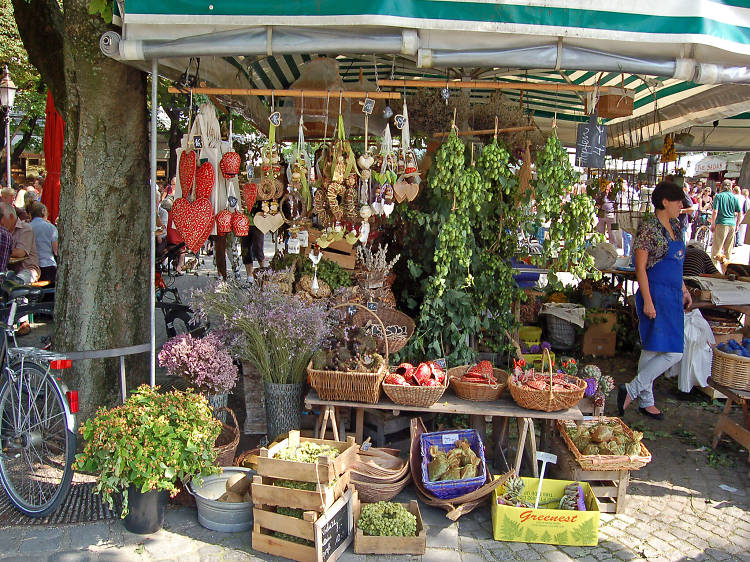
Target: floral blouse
653 237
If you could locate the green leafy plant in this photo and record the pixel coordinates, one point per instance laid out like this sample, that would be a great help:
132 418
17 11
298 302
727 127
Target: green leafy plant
103 8
150 441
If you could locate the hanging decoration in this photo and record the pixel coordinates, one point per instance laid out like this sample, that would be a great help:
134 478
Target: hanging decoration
194 221
187 171
385 199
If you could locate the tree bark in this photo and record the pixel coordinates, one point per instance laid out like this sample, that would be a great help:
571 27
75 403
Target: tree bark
103 279
744 180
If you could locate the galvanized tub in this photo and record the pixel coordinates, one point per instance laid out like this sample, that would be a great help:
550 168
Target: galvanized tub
222 516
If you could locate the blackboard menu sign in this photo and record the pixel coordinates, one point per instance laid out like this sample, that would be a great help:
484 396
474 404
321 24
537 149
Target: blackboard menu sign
334 530
591 144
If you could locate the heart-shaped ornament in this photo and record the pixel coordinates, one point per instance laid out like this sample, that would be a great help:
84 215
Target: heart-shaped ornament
224 222
412 190
240 224
268 223
187 171
230 164
399 191
194 221
365 161
249 193
204 181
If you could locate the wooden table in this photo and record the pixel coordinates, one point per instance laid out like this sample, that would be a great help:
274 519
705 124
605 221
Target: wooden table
499 412
726 425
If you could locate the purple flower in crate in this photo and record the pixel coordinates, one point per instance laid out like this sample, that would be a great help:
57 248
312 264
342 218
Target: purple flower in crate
590 386
535 349
546 345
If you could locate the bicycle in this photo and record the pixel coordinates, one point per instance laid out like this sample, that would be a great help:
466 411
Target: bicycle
703 237
37 417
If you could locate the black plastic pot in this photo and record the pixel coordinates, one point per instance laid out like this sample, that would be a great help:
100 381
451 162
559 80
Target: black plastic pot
147 510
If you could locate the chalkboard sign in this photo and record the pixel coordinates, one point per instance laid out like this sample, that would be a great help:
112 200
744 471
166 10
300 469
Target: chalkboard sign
591 144
334 531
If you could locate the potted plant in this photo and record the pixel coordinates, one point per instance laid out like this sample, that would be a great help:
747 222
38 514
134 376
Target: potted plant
275 333
205 364
138 451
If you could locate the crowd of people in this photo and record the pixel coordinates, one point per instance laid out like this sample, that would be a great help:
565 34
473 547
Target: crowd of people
723 208
28 241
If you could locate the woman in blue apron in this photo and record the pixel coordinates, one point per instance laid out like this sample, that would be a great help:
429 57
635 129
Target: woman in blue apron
659 252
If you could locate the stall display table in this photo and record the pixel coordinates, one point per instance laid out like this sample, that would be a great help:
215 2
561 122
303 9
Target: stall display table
499 412
726 425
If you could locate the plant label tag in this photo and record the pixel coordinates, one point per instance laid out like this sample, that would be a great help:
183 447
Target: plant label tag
441 361
198 142
368 106
450 438
546 457
400 121
275 118
292 246
303 238
372 306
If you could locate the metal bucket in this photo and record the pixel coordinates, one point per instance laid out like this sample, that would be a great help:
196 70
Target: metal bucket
222 516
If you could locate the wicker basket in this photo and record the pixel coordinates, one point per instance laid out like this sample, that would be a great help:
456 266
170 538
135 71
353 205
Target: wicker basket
422 396
560 333
604 462
731 370
372 492
388 317
477 392
227 441
547 400
350 386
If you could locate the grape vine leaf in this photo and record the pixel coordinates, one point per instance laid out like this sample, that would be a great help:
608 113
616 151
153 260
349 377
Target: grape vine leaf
585 533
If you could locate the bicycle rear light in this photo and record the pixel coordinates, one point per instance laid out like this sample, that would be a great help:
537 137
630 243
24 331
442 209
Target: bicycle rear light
72 396
60 364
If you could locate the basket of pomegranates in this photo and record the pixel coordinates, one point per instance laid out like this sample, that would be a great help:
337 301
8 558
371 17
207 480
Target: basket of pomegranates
548 392
481 382
420 386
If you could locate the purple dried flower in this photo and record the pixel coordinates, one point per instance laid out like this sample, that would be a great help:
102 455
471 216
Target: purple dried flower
590 386
201 361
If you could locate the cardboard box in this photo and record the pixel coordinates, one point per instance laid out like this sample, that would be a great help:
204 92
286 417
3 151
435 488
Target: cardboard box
547 526
600 337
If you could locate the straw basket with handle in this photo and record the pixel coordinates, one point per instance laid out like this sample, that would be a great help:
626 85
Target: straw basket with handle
730 370
227 441
388 317
350 386
548 400
478 392
422 396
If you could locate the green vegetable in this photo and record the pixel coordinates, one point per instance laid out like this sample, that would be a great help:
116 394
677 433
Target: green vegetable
387 519
295 485
308 452
292 538
290 512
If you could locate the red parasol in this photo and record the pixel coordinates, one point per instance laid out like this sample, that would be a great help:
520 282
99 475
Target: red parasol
54 131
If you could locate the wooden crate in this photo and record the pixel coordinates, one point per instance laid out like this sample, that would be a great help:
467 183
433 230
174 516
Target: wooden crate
324 471
364 544
331 532
320 499
340 252
609 486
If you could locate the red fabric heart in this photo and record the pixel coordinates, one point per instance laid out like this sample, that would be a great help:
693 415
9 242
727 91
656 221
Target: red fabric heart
204 181
249 193
230 164
187 171
194 221
483 368
224 222
240 224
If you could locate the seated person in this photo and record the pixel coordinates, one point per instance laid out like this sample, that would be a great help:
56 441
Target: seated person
45 234
697 261
24 245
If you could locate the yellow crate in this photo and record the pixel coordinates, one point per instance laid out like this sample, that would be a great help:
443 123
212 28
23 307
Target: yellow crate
535 360
548 526
532 335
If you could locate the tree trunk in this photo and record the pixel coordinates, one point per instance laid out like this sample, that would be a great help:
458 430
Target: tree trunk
103 279
24 142
174 139
744 180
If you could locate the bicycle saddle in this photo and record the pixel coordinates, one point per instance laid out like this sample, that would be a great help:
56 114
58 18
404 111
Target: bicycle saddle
13 288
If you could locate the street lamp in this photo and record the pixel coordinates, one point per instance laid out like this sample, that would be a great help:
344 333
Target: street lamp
7 97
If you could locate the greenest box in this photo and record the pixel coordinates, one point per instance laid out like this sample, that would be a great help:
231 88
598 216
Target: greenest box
548 526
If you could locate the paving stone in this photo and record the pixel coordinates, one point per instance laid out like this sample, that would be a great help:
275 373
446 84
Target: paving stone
180 518
446 537
88 535
472 557
39 545
72 556
557 556
468 544
438 555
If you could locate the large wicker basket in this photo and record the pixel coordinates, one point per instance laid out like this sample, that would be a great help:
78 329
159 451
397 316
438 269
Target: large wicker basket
227 441
350 386
731 370
604 462
547 400
422 396
477 392
389 318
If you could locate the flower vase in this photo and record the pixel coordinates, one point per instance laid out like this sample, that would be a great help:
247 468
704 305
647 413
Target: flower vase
255 412
145 511
218 401
283 407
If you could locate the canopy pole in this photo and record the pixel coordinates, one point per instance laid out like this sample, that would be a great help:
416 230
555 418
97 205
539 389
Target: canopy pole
152 206
493 85
288 93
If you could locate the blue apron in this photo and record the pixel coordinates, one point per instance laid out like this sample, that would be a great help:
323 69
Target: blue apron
666 332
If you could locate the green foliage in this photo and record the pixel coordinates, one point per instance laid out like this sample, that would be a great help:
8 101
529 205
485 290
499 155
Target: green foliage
328 270
103 8
510 528
150 441
585 533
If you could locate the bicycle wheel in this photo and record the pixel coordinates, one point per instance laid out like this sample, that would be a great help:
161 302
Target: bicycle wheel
702 237
38 447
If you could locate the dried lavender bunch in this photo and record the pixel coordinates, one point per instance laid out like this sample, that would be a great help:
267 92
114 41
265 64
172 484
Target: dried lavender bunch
376 262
